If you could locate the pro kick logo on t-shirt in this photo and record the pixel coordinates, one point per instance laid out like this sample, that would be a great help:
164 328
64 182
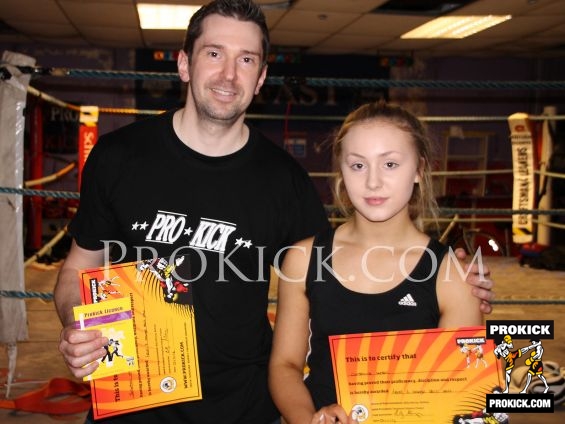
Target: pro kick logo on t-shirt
169 227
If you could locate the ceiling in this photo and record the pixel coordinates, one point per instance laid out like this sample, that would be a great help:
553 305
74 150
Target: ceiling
310 26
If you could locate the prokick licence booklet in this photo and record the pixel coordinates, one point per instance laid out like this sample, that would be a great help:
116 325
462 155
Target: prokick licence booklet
114 319
162 312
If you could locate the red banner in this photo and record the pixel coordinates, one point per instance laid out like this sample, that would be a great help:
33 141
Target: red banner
88 134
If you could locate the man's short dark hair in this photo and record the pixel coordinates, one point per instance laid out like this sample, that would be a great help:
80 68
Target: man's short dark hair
243 10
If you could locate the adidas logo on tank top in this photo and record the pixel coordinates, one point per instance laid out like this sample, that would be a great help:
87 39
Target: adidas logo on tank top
407 300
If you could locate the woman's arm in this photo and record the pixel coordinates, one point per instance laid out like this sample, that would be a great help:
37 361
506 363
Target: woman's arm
290 343
458 306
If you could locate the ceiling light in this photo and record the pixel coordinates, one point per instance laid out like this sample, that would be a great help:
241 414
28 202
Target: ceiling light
165 16
455 26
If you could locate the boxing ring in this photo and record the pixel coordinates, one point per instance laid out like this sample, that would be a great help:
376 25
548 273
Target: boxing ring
16 85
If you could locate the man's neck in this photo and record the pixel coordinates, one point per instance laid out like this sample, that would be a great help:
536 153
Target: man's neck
208 138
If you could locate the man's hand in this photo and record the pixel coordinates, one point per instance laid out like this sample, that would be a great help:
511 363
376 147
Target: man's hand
480 280
81 349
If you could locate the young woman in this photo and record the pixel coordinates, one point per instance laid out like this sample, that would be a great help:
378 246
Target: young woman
356 278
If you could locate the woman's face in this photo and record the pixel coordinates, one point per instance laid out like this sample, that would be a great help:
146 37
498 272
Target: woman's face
379 165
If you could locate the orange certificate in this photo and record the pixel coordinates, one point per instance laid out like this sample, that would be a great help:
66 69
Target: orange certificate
425 376
163 329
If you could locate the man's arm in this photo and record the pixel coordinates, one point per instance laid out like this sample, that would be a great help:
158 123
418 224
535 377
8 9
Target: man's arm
78 347
481 282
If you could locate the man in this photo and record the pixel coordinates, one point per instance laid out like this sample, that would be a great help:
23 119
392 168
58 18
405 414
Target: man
199 181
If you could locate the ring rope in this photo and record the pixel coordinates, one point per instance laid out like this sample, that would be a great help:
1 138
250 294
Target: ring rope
451 173
325 82
550 174
129 111
422 118
382 83
40 193
292 80
330 209
491 220
134 111
441 173
50 178
26 294
477 172
469 220
51 99
49 296
56 238
494 211
549 224
464 211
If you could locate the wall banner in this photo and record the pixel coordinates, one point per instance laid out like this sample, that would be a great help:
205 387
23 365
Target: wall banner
523 194
88 134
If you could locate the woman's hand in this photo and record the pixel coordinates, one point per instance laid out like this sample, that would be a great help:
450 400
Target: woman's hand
332 414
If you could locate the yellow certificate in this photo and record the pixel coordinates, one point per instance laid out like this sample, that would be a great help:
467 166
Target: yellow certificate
159 295
420 376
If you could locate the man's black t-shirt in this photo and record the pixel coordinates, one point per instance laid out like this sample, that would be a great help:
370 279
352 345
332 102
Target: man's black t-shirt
147 193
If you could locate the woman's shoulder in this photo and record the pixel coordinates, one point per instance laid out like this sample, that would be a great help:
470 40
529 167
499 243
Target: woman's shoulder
300 252
296 261
302 246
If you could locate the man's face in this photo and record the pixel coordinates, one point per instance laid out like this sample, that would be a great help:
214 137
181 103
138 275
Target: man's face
226 69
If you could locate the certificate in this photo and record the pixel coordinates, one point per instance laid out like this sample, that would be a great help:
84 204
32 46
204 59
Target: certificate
419 376
160 297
